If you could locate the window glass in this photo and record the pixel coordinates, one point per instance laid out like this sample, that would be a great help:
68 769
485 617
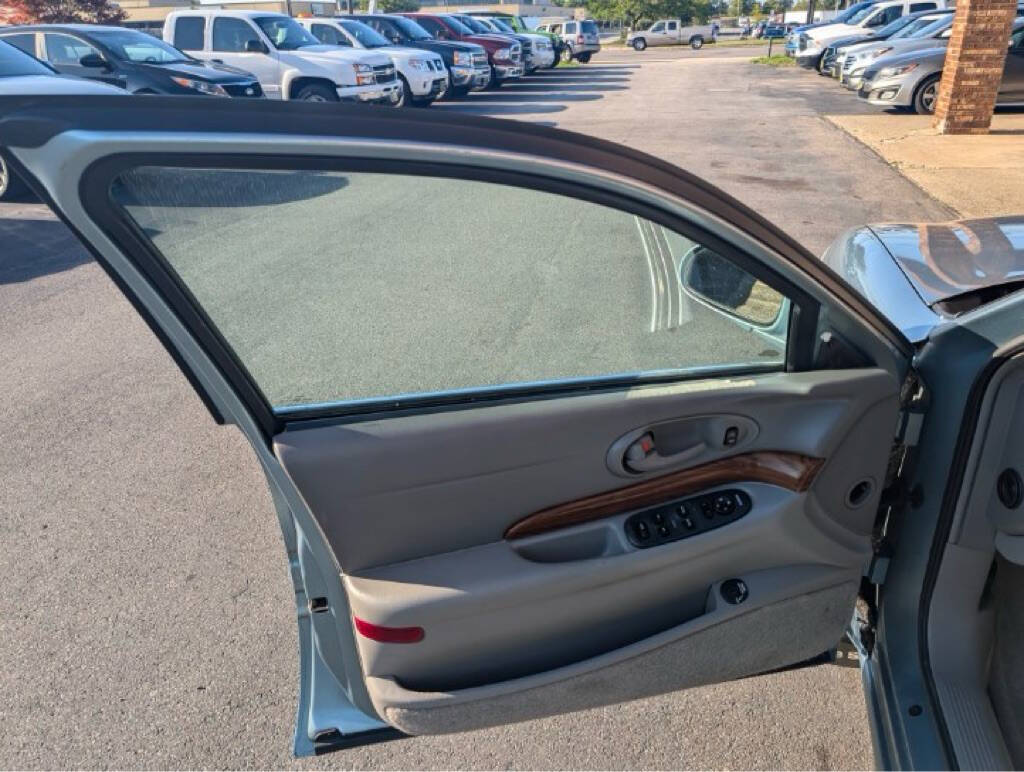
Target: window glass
139 47
588 27
458 26
333 286
64 50
13 62
435 28
188 33
367 36
570 28
915 7
285 33
26 41
934 27
659 27
232 34
328 35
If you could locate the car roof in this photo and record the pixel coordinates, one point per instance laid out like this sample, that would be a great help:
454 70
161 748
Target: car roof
223 12
83 28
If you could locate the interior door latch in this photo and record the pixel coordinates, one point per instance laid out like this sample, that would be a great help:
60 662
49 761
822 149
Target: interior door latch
643 456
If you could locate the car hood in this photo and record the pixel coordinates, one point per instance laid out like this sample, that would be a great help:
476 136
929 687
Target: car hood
53 85
943 260
853 40
405 54
937 54
213 72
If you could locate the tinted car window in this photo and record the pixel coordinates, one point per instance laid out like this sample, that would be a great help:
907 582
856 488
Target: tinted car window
570 28
366 35
327 34
232 34
365 307
139 47
26 41
188 33
64 50
914 7
590 27
458 26
435 28
16 62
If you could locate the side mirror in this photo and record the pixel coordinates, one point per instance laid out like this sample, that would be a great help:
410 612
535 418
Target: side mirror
94 61
255 47
716 282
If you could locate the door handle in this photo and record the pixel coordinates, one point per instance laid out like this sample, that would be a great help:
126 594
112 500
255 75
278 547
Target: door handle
643 456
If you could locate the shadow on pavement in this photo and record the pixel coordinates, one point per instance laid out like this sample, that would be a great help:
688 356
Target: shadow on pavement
34 248
498 109
511 96
516 88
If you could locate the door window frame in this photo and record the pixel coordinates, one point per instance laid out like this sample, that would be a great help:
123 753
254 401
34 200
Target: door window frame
98 203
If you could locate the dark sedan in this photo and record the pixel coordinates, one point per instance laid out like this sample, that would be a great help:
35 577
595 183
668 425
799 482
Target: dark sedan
132 60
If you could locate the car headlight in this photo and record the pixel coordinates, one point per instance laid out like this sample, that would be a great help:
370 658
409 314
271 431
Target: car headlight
364 74
891 72
201 86
881 52
362 68
503 53
419 64
463 58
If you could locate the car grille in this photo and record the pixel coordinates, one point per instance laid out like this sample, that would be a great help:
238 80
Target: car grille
480 60
516 53
244 90
384 73
436 65
527 47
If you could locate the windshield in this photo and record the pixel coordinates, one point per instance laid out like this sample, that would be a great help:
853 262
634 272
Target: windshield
934 26
895 26
589 27
367 36
473 24
14 61
410 28
285 33
457 25
850 12
140 47
861 15
503 26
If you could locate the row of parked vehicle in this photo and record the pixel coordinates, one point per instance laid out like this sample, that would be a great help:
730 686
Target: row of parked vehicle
395 59
891 52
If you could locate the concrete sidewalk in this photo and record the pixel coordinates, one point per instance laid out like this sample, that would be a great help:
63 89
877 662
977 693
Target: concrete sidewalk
977 176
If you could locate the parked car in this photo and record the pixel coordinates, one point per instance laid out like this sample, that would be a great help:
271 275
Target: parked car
774 31
538 52
23 75
835 53
423 74
286 59
793 38
580 38
813 42
471 546
479 27
519 24
670 32
132 60
912 79
921 35
504 55
467 63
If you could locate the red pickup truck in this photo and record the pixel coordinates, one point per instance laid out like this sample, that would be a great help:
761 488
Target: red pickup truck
504 54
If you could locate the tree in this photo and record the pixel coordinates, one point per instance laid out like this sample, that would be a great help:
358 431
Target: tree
397 6
65 12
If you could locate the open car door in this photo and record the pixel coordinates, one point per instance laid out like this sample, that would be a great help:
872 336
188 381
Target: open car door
549 424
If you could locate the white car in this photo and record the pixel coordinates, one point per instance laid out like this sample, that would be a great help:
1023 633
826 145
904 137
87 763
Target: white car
286 59
670 32
811 43
422 73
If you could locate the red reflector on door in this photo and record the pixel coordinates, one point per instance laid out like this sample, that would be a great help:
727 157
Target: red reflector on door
388 634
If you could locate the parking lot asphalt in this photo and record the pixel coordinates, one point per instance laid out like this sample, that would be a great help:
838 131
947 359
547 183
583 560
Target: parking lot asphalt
147 614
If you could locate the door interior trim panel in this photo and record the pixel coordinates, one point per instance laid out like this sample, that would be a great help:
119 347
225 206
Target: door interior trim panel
792 471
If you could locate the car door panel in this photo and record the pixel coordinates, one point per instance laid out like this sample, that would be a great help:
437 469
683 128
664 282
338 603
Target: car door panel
403 516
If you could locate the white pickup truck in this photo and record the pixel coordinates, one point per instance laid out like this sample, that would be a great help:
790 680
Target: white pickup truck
286 59
423 74
667 32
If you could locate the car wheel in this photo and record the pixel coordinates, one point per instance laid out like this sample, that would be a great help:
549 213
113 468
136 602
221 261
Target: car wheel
696 42
406 99
10 186
639 44
316 93
567 54
584 57
926 95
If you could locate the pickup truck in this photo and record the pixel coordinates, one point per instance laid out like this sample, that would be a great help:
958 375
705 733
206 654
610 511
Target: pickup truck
667 32
518 23
423 74
286 59
504 54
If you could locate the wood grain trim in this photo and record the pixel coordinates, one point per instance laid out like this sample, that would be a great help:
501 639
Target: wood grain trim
787 470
